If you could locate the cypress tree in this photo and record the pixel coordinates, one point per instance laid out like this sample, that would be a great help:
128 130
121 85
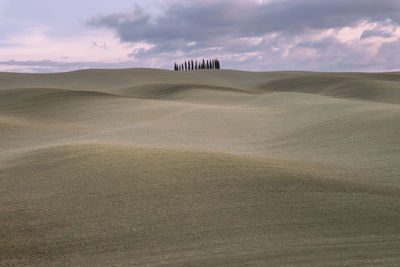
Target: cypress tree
218 66
195 65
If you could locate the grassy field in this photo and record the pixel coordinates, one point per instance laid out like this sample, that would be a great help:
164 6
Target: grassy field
151 167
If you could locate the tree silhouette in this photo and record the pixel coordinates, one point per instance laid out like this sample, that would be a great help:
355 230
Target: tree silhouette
217 65
197 65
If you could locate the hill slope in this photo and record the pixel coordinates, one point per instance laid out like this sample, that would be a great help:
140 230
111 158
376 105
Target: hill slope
141 166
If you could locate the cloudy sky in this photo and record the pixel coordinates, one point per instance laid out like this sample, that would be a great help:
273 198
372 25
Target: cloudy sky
259 35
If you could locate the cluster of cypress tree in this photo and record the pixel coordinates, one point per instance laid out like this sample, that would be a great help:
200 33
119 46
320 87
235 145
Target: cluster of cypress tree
194 65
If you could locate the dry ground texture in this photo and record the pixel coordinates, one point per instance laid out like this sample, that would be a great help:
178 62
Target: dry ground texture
151 167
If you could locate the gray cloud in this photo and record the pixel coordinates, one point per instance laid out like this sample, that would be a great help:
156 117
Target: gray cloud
375 33
208 24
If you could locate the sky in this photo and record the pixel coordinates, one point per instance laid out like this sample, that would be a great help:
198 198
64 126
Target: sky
42 36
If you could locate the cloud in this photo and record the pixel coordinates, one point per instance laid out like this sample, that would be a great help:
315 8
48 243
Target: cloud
375 33
208 22
263 35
